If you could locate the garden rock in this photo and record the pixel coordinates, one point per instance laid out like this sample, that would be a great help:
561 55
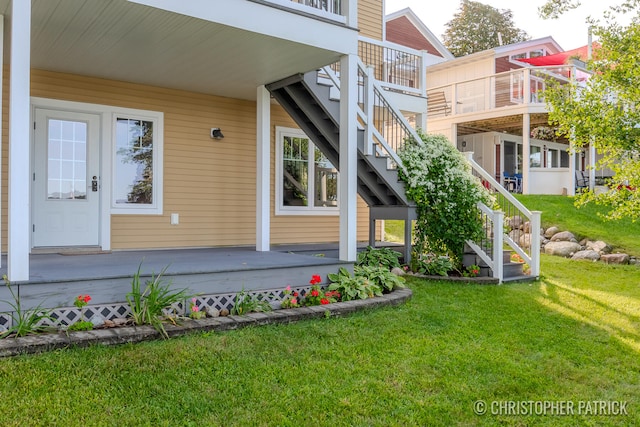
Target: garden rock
564 236
599 246
561 248
588 254
224 312
551 231
398 271
615 258
525 241
211 312
515 222
97 320
515 235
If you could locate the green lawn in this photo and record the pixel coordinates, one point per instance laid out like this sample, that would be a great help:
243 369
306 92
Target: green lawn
573 336
585 222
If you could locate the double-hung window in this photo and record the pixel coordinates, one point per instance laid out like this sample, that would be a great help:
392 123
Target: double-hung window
306 182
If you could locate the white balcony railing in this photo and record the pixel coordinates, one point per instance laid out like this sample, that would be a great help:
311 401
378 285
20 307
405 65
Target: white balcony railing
343 11
512 88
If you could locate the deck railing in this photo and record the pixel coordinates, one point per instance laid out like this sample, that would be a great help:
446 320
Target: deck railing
511 88
512 225
385 126
396 67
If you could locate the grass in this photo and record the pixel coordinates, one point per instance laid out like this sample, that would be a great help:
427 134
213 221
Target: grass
574 335
585 222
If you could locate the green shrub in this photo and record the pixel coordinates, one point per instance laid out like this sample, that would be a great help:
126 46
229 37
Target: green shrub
431 264
147 306
439 180
379 257
380 276
24 322
352 287
245 303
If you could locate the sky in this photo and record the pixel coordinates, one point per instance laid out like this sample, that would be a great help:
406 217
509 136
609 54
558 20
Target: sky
570 31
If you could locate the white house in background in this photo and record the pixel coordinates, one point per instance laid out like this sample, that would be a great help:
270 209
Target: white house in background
490 103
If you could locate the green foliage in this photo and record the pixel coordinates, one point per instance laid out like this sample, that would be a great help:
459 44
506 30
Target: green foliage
24 322
475 27
431 264
352 287
552 9
382 257
446 194
603 111
380 276
245 303
82 325
147 305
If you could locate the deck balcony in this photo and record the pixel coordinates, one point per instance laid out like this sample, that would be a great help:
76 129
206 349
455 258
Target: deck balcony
511 90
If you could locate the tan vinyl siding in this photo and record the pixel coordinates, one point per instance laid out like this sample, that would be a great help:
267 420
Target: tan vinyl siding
370 18
211 184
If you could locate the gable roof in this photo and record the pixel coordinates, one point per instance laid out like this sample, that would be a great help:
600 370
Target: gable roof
405 28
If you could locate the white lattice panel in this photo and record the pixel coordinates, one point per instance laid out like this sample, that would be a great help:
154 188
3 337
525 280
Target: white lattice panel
66 316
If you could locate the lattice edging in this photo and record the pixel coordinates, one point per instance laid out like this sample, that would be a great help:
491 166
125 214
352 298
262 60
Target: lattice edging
66 316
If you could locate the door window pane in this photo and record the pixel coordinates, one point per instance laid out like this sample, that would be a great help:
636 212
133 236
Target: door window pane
67 160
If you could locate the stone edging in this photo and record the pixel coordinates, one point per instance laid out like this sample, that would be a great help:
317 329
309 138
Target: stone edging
132 334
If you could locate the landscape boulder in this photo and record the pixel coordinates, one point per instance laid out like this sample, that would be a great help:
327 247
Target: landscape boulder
588 254
615 258
599 246
515 222
561 248
551 231
564 236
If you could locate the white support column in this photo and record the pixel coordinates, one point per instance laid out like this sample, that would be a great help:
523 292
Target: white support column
369 99
526 152
348 191
350 10
19 144
535 243
1 109
263 170
498 239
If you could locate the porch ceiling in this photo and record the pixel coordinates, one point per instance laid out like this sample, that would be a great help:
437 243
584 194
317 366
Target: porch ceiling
507 124
120 40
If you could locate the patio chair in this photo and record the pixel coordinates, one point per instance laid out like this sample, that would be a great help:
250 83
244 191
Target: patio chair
582 180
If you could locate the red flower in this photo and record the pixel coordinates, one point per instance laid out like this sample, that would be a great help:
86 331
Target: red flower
315 293
87 298
295 294
315 279
324 301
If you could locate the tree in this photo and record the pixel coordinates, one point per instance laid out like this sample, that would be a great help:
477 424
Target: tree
477 27
604 110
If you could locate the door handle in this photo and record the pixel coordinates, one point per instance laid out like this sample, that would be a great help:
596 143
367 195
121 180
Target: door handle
94 183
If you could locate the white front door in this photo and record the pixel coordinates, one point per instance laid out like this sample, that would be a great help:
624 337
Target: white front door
66 179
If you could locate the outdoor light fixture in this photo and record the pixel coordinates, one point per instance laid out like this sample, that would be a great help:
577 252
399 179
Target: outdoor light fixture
464 143
216 133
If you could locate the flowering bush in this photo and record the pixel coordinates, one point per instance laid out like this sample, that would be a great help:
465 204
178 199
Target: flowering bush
195 312
82 325
291 298
543 132
316 296
471 271
440 182
431 264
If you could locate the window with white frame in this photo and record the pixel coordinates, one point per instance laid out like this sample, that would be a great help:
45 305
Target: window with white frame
137 163
306 181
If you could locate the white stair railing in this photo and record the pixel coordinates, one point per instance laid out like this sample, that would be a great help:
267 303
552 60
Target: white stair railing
387 130
520 228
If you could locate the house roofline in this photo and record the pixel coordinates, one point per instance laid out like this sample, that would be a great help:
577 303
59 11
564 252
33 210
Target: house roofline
420 26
